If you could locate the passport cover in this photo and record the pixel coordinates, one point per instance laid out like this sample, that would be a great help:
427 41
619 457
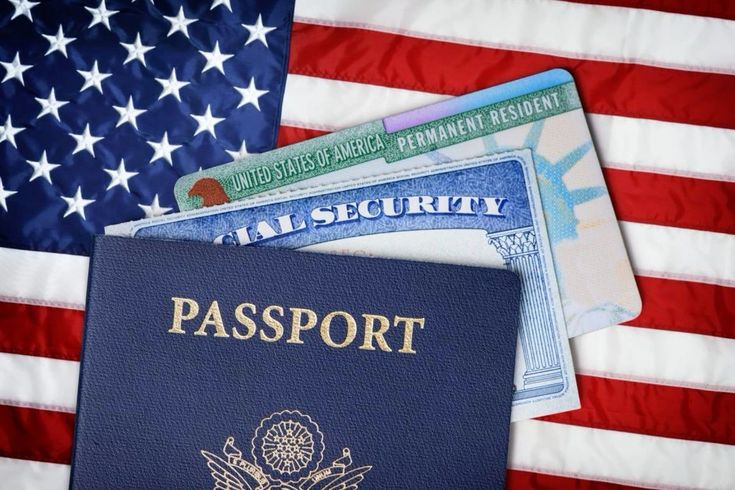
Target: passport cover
253 368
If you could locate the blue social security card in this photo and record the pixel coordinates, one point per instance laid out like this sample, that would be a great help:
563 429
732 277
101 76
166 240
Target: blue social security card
483 212
540 112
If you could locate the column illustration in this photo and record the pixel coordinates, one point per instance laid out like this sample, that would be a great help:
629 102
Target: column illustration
519 249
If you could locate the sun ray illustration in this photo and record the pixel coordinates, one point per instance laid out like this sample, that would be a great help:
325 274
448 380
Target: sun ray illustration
491 145
570 159
534 135
558 200
438 157
580 196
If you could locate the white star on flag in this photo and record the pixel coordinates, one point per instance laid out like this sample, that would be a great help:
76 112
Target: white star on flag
93 78
226 3
128 113
171 86
4 195
163 149
8 131
215 58
179 23
207 122
119 176
85 141
136 50
101 15
42 168
239 154
50 105
23 7
250 95
258 31
154 209
15 69
76 204
58 42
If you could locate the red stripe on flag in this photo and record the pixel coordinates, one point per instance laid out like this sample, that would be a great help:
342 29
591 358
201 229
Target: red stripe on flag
41 331
703 8
38 435
288 135
393 60
685 306
657 410
670 200
523 480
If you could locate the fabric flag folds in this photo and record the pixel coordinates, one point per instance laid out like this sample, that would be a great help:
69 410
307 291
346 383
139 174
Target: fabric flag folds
104 106
656 77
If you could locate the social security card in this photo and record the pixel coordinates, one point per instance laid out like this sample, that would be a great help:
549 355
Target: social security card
541 112
483 211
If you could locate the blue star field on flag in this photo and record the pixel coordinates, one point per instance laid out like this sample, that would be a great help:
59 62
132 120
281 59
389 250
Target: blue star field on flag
104 104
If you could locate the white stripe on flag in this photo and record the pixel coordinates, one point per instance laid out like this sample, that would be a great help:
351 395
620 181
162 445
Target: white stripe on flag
657 356
656 146
579 31
664 251
621 457
38 382
334 104
665 147
43 278
21 474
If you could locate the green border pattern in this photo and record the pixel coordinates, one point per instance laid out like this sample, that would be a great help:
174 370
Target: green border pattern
370 141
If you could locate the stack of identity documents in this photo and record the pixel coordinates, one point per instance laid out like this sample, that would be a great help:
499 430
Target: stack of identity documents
503 178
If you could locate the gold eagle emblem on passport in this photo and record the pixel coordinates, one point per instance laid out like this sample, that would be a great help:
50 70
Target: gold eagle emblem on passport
287 451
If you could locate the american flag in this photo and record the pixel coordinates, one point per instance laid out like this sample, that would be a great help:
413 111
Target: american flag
656 77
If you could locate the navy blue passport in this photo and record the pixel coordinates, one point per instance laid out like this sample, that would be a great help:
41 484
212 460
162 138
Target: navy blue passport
207 366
